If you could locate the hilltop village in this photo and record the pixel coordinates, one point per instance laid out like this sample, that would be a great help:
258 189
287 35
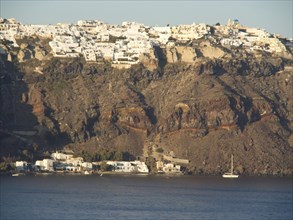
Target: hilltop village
131 42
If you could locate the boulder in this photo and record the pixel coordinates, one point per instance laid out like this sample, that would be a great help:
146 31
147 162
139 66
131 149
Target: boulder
39 53
171 54
9 57
23 46
24 55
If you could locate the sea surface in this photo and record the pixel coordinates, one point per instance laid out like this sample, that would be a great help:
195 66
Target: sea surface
145 197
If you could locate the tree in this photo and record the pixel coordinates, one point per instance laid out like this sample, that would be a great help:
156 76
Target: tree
87 156
105 167
160 150
117 155
151 163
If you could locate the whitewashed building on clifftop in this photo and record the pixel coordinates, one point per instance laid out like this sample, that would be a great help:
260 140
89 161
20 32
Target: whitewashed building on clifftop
124 44
190 32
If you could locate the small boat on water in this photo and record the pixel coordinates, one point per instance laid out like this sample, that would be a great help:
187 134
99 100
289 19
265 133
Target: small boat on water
17 174
231 173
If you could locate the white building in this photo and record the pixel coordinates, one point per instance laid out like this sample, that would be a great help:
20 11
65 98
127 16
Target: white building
64 46
105 49
160 35
129 166
45 164
121 166
87 165
9 24
89 55
168 168
171 168
190 32
61 156
140 167
73 168
75 161
21 165
104 37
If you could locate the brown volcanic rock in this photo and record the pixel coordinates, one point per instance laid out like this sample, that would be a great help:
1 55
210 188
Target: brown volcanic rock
36 101
203 111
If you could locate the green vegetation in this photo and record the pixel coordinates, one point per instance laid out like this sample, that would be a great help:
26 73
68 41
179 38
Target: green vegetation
57 87
160 150
151 163
7 164
105 167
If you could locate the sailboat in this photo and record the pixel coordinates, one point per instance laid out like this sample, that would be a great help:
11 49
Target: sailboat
230 174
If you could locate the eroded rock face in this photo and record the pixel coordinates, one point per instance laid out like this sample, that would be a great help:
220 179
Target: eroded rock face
36 101
150 60
24 55
210 51
202 108
180 53
40 53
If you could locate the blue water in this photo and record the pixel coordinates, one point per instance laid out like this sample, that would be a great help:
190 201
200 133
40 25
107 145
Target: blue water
145 197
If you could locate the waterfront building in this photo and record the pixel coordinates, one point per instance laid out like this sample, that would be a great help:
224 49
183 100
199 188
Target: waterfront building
129 166
73 168
45 165
61 156
75 161
87 166
171 168
21 165
168 168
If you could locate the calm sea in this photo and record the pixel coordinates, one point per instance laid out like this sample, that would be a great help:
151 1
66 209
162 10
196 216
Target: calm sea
145 197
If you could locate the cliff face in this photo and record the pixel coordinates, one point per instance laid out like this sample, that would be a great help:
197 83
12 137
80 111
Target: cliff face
196 103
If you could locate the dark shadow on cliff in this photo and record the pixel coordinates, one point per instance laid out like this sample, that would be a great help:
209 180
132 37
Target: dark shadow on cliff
16 118
19 133
160 54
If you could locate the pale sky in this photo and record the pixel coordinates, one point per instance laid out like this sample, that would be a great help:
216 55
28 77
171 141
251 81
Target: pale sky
273 15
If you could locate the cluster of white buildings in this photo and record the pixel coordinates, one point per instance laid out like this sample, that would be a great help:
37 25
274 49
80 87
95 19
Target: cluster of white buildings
58 161
67 162
190 32
123 44
168 168
128 166
251 39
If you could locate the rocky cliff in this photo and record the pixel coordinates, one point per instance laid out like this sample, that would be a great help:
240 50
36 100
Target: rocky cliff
202 102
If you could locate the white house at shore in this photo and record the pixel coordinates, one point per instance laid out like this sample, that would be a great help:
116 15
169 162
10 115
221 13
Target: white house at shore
45 165
21 165
129 166
168 168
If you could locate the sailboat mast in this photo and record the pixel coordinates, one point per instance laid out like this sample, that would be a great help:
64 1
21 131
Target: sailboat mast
232 164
